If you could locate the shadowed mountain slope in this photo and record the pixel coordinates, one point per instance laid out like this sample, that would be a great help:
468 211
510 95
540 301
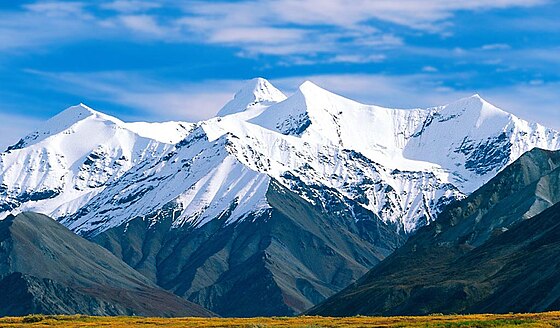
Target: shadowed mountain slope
487 253
282 261
46 268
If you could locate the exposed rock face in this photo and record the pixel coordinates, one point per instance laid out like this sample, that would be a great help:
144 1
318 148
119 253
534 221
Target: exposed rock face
495 251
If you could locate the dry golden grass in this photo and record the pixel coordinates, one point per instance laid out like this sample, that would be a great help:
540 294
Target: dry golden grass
549 319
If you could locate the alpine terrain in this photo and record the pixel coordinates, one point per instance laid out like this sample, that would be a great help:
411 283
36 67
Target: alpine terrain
277 203
45 268
494 252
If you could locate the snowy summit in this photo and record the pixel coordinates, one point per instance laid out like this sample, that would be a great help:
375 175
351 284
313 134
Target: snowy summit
92 171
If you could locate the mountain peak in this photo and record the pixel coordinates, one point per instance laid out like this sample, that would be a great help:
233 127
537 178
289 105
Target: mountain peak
75 114
473 105
307 84
309 88
79 111
319 95
475 97
63 121
471 101
255 91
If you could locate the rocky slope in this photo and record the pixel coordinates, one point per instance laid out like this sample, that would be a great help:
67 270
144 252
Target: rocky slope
492 252
157 195
280 261
46 268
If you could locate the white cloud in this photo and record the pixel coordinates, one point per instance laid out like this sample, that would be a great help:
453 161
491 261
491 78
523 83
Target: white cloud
57 8
421 15
144 24
336 29
293 27
429 69
496 46
147 99
130 6
44 23
260 35
348 14
358 59
267 27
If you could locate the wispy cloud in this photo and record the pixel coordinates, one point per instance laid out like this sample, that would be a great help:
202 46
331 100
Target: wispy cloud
144 24
43 23
130 6
335 30
325 24
422 15
57 8
496 46
357 59
145 98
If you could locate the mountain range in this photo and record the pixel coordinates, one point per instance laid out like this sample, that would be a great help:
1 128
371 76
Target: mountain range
493 252
278 202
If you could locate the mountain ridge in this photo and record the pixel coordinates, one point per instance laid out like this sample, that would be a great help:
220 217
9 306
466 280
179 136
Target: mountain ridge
367 176
453 265
347 133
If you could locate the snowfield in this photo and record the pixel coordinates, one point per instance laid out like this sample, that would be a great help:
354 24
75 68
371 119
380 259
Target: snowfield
92 171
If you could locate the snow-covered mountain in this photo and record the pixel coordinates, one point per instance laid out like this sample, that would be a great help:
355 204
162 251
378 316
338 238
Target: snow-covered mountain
57 169
94 172
278 202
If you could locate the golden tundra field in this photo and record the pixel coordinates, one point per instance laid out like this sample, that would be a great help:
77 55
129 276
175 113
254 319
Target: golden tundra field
549 319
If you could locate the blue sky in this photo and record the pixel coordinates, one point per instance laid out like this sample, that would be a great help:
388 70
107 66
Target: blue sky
182 60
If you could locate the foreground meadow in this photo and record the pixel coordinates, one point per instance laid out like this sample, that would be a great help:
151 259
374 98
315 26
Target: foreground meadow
549 319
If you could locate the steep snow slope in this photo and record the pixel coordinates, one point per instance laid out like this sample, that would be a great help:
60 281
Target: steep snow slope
401 166
256 93
200 179
474 140
323 117
58 168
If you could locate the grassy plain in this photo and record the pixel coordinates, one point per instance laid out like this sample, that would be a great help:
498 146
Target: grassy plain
549 319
